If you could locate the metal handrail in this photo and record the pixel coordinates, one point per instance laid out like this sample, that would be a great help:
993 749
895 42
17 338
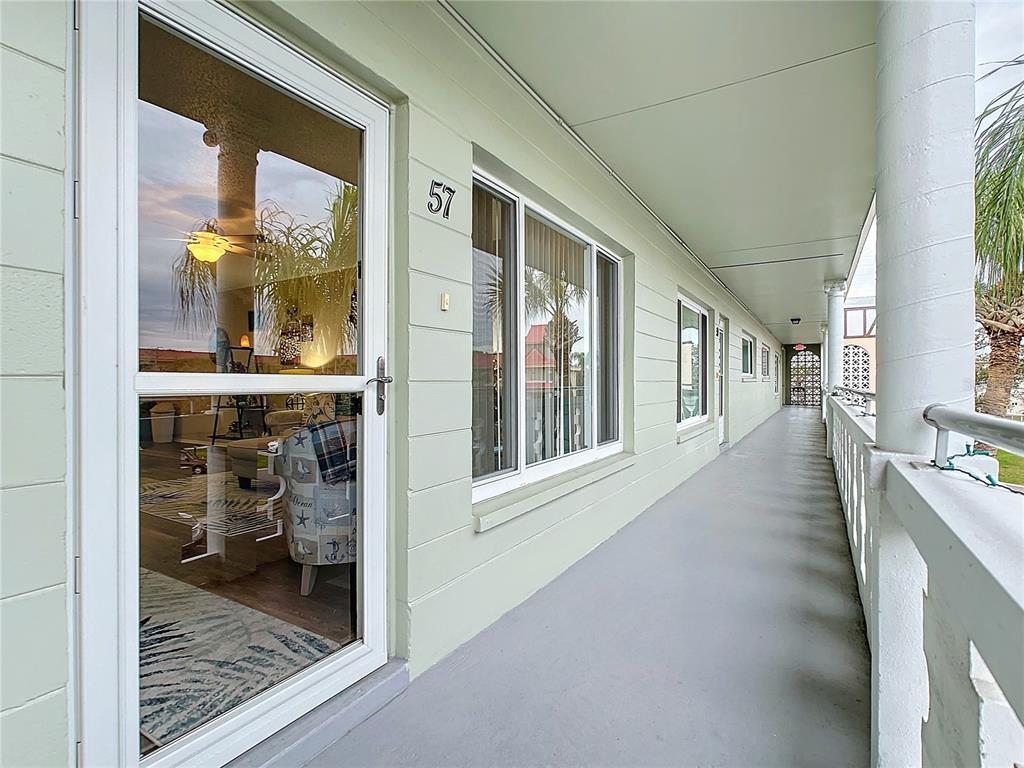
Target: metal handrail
1002 433
859 392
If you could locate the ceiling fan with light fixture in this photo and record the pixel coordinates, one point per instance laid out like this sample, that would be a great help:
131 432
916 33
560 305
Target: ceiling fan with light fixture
209 243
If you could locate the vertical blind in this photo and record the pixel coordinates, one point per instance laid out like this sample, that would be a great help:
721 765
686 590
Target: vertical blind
557 341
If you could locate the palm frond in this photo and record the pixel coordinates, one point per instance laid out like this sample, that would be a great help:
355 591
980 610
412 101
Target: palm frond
300 266
999 192
195 284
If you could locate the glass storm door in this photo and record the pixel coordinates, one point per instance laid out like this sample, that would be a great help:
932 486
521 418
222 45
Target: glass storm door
259 458
721 372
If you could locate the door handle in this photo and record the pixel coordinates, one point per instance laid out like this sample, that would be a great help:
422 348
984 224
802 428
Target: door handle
381 379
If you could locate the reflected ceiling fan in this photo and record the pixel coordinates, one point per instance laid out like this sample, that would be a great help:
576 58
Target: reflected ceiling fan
208 243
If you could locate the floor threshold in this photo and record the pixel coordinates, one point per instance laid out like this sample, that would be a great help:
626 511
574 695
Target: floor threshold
299 742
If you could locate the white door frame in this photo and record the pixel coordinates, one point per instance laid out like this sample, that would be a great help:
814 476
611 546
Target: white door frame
721 375
108 388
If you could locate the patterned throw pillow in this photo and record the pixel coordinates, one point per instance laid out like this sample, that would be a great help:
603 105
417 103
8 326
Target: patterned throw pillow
318 408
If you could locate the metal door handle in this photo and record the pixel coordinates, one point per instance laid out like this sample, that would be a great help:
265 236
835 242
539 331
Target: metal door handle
381 379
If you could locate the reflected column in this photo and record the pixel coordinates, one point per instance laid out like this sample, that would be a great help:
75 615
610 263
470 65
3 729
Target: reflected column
236 218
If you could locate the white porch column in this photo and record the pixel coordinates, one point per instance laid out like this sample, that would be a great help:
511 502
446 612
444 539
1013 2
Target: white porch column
924 136
836 291
824 376
925 208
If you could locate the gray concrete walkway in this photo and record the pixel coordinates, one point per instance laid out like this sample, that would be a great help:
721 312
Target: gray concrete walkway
720 628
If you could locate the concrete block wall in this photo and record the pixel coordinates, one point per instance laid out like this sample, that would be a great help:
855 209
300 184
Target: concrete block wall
448 580
34 662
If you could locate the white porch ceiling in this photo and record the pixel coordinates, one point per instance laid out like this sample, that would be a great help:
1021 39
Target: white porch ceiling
748 127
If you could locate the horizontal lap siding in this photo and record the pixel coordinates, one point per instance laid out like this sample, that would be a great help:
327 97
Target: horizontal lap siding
449 581
33 515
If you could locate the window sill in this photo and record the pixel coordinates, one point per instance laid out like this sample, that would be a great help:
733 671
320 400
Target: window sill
748 377
492 512
692 423
690 431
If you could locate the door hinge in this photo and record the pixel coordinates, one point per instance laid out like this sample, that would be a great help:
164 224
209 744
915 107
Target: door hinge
77 575
76 195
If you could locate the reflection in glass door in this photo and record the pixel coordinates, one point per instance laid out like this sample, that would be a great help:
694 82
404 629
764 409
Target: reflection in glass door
251 347
721 373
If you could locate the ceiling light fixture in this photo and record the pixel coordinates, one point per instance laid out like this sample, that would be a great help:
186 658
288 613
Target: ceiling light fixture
207 245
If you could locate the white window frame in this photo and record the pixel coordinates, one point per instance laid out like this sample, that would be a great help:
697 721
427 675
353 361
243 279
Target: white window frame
748 338
776 374
522 475
765 362
109 382
702 312
721 374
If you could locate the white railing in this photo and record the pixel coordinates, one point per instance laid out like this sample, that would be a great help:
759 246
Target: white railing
859 397
940 565
851 433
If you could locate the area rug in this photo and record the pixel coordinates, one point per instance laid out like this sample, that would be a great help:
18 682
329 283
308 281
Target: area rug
212 501
200 655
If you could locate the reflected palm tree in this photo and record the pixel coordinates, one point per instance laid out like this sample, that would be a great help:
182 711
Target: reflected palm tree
300 267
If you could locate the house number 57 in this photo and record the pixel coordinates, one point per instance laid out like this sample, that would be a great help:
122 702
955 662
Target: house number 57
437 203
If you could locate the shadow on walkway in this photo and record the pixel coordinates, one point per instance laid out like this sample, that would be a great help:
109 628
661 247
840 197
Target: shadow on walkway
722 627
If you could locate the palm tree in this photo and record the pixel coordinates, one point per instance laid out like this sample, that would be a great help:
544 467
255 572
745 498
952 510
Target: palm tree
555 296
301 268
309 267
999 238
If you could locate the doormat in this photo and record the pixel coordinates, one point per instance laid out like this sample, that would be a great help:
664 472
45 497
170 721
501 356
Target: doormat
213 502
200 655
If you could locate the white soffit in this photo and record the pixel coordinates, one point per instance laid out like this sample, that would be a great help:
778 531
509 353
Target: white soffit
748 127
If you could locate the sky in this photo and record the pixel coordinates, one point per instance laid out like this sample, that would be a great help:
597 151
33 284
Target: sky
999 36
177 192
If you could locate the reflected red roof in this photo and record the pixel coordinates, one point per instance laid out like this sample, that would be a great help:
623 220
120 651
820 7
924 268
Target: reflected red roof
536 334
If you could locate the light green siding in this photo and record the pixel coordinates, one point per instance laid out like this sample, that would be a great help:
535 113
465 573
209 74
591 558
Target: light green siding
448 580
33 546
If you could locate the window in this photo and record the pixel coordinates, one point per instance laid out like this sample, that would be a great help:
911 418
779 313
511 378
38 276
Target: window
606 296
747 352
859 322
494 370
692 363
557 342
764 361
546 343
776 373
249 233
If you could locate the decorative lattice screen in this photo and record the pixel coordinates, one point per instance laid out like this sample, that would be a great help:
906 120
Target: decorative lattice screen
805 379
856 367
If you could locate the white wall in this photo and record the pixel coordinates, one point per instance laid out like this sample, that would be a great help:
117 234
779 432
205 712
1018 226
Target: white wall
33 595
